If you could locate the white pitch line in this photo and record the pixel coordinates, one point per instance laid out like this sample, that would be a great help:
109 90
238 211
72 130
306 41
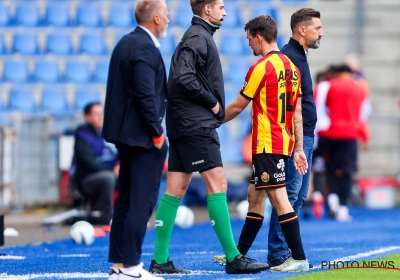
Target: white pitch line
75 256
326 249
77 275
12 258
364 255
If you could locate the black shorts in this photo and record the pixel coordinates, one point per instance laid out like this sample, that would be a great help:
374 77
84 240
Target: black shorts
268 171
198 151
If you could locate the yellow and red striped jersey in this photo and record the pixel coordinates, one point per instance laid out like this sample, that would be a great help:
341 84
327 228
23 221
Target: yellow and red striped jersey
273 83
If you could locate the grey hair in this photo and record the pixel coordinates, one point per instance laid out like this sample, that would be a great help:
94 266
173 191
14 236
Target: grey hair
145 10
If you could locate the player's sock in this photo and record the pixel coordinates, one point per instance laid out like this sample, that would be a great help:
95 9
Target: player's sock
249 232
291 230
220 220
165 219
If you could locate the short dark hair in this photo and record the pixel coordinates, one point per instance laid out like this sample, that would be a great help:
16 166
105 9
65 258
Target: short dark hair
265 26
343 68
303 15
198 5
88 108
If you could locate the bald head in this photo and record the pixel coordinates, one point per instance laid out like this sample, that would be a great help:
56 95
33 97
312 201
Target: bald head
146 9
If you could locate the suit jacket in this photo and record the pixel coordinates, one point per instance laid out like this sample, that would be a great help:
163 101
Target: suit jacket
136 95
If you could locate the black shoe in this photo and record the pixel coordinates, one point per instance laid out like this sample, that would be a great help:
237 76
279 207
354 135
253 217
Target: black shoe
280 260
166 268
243 265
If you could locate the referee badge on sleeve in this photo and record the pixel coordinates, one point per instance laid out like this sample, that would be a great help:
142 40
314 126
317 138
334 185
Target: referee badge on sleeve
265 177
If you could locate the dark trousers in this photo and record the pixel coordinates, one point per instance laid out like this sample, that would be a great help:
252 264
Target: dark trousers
139 182
341 163
341 185
100 186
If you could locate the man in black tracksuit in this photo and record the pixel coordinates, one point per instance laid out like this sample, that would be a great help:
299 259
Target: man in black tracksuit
95 165
196 105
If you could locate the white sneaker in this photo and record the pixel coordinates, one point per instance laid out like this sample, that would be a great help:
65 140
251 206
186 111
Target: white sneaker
292 265
220 259
343 214
136 272
333 203
113 274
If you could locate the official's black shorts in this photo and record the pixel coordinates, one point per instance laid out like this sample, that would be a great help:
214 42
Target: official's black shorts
198 151
268 171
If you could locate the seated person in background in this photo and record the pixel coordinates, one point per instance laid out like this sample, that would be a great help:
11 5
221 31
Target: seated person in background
95 163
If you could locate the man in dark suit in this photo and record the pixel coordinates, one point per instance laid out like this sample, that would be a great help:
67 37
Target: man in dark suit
134 109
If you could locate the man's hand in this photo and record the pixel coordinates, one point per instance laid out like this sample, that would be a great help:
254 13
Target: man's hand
215 109
159 145
364 146
300 162
116 170
158 142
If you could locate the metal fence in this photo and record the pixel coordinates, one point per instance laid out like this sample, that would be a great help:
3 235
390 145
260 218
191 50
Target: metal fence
29 170
7 168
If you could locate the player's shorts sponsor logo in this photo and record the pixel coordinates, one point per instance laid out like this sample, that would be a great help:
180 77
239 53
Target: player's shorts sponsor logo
281 165
198 162
265 177
280 176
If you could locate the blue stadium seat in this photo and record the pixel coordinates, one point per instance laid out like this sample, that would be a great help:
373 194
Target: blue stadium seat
280 41
258 10
89 15
5 17
101 71
26 43
233 18
120 34
16 71
57 14
93 43
47 71
27 14
237 71
3 47
54 101
4 113
85 95
167 64
233 44
22 99
121 15
59 43
231 151
183 16
238 128
296 2
168 45
77 71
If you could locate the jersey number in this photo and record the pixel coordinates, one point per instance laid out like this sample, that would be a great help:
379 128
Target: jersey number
286 106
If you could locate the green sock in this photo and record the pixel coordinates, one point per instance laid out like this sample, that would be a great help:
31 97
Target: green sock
165 219
219 216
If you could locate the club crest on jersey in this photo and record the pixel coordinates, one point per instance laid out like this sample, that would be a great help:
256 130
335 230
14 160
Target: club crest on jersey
265 177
